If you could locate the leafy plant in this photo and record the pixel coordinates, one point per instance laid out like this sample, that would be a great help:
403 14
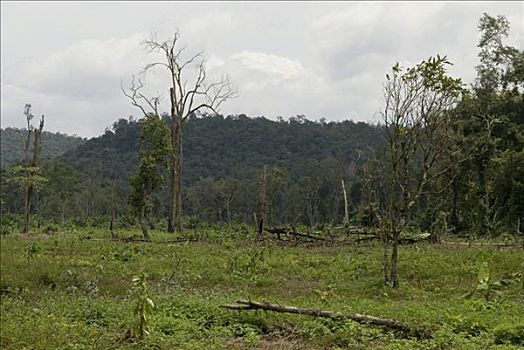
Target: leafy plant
489 288
31 251
143 307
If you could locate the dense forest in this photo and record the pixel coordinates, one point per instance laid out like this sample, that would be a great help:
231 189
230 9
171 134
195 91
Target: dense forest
53 145
223 156
307 161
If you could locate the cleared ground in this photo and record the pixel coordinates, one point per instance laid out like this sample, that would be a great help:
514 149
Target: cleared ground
64 291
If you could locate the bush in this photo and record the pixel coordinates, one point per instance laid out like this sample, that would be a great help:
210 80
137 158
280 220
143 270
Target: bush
509 334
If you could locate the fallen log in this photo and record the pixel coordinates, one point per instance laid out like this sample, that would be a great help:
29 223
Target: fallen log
415 238
480 244
291 232
367 238
243 304
139 240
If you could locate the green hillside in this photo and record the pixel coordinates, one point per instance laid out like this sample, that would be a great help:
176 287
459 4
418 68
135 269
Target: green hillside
53 145
234 146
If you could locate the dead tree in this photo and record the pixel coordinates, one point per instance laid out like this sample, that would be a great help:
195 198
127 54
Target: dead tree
262 203
346 214
184 102
30 162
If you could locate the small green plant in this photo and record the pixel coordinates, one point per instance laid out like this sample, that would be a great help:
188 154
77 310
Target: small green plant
489 288
143 308
125 254
31 251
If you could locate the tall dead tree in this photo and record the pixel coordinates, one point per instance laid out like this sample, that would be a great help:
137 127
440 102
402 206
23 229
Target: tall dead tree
30 178
261 203
346 213
186 99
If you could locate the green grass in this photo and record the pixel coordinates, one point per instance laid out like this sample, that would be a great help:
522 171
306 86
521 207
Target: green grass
65 292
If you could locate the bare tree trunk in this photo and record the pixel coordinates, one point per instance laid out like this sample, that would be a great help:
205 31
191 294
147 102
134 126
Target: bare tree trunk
114 235
33 162
143 225
63 214
25 228
228 212
309 211
394 261
346 214
175 205
172 191
262 202
113 210
178 178
385 240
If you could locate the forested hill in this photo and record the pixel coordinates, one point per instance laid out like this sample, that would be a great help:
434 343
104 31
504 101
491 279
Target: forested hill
53 145
233 146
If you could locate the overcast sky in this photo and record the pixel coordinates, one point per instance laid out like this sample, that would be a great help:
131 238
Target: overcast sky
319 59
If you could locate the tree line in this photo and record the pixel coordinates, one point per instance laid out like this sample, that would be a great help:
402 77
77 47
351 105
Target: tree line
446 157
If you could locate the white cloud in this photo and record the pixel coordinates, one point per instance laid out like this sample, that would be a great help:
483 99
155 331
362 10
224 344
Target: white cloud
258 71
89 69
314 58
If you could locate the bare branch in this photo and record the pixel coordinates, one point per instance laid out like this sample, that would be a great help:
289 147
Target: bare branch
138 99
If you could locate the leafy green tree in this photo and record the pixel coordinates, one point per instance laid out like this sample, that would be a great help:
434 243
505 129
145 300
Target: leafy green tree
154 152
492 123
418 132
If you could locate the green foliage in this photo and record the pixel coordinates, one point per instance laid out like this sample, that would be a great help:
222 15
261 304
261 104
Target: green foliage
155 150
143 308
509 334
222 156
25 177
31 251
489 288
53 145
74 293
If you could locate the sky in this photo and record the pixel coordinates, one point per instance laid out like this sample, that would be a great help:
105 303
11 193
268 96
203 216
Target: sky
318 59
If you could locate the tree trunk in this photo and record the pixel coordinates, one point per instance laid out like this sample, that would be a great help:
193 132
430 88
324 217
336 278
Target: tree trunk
114 235
346 214
262 202
25 228
394 261
172 199
175 205
385 259
228 212
178 178
142 223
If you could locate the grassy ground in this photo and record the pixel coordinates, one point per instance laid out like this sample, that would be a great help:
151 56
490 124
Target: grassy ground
65 292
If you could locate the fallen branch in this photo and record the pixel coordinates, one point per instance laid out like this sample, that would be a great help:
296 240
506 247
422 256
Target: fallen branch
243 304
415 238
480 244
291 232
139 240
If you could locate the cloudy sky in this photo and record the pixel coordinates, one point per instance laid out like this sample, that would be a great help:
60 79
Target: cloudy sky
319 59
